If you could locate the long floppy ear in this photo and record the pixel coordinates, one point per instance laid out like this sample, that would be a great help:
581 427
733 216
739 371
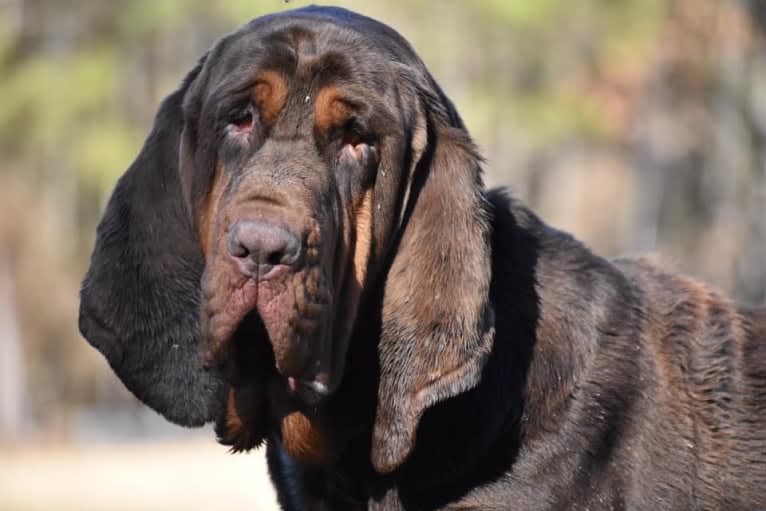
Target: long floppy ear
437 324
140 298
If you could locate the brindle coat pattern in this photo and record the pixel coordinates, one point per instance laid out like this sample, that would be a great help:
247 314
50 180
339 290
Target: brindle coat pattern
472 357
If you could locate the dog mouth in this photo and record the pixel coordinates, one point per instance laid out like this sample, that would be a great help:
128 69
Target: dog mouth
271 331
249 360
247 355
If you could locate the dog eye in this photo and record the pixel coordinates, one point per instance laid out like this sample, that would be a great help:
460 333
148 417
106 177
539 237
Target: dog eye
242 121
354 133
357 145
351 138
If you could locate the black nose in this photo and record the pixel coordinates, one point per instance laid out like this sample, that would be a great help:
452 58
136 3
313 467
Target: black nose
258 246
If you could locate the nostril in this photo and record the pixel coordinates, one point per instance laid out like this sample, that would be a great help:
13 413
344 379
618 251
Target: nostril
258 246
275 258
236 248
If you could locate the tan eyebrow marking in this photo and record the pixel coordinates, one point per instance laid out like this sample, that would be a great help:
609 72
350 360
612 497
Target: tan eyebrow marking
331 109
269 95
209 207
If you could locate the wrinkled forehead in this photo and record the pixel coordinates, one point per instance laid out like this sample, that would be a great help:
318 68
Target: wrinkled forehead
310 48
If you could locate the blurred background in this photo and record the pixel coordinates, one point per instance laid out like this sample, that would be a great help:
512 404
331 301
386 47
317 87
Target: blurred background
638 125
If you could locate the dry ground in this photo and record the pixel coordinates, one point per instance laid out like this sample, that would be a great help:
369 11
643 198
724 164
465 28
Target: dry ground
183 475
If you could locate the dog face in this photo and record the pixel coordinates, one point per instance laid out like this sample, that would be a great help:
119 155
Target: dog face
309 163
287 144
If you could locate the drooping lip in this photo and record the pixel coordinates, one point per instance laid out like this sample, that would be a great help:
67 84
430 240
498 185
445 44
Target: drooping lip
221 318
248 356
249 351
234 323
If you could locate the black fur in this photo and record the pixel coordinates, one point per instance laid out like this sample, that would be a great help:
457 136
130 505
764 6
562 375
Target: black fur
493 362
140 297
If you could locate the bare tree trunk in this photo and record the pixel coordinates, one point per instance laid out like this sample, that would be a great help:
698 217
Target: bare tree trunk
11 368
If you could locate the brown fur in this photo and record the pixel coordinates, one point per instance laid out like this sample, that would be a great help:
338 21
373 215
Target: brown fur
270 94
302 438
432 345
235 427
363 215
208 209
330 109
450 298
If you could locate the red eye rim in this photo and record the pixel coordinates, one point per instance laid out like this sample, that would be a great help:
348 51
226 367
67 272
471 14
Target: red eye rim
351 138
244 121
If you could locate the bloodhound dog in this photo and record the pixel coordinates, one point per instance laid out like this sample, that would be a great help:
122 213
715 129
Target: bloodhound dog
303 253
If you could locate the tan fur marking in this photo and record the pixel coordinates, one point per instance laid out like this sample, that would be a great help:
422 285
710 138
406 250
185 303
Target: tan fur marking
363 243
234 425
270 95
302 438
208 210
330 110
355 263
